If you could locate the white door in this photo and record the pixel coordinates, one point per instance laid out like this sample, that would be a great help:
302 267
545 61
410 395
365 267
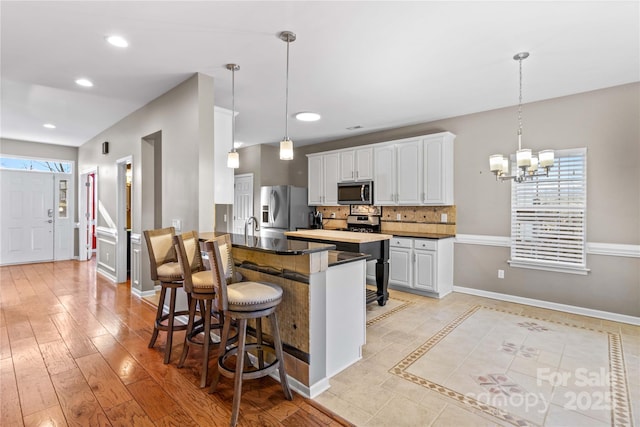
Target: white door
27 217
315 180
242 201
331 169
400 266
384 182
87 215
425 272
409 164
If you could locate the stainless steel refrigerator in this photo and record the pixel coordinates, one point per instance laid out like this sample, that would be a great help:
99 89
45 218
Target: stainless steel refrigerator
283 208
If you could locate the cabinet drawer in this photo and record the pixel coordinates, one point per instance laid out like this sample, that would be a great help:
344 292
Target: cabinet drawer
401 242
429 245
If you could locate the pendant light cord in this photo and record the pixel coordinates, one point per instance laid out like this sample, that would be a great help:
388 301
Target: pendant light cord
520 109
286 101
233 110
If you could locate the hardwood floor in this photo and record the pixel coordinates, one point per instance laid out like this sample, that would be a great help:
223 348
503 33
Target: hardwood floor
73 351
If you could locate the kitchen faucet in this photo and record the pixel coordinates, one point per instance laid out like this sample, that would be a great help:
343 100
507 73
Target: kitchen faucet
256 226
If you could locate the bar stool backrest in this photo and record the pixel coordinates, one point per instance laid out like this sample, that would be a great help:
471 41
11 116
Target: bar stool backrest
187 248
225 246
217 269
160 247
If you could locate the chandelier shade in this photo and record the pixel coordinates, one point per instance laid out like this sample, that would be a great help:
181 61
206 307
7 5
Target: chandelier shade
528 163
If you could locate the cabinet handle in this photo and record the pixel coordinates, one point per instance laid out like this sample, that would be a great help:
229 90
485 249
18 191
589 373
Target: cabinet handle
351 174
356 174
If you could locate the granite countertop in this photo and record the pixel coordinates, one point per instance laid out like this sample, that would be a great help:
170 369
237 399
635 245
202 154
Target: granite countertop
338 236
272 245
415 234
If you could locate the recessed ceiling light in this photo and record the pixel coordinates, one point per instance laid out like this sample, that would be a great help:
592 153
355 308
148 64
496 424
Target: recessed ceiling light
49 125
84 82
117 41
238 144
307 116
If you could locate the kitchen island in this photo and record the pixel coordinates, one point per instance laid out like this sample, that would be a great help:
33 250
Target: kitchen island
374 244
322 315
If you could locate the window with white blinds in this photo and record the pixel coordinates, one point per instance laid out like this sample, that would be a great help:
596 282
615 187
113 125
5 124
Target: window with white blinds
548 216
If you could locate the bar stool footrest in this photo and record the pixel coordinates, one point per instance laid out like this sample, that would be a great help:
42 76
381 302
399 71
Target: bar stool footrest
251 371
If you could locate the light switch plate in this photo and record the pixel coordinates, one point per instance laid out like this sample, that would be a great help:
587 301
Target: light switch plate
443 217
177 224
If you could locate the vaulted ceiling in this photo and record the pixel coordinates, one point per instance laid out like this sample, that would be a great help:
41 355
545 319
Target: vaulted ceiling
372 64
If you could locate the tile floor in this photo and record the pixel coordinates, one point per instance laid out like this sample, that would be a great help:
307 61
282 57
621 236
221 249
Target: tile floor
471 361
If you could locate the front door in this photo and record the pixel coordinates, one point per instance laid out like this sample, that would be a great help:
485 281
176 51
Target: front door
27 217
242 201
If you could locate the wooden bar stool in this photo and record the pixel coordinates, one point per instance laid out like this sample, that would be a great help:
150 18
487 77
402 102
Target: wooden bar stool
242 301
198 284
166 270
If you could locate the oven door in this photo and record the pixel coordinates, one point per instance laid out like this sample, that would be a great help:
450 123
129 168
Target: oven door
355 193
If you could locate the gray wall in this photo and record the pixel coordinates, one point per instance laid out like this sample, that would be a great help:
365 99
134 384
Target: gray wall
605 121
182 119
267 168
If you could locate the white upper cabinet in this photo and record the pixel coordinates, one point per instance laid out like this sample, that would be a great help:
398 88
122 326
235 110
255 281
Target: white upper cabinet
409 155
414 171
356 164
384 179
437 175
323 179
397 176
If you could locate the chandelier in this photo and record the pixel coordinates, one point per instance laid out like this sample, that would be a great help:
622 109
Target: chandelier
233 158
529 164
286 145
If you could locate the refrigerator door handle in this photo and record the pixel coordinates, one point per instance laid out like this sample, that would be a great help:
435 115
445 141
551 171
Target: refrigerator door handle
272 206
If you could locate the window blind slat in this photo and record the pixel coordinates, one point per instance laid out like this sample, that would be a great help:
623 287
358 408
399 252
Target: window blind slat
548 214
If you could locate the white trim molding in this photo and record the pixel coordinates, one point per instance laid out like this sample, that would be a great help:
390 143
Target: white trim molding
616 317
593 248
613 249
136 238
107 232
484 240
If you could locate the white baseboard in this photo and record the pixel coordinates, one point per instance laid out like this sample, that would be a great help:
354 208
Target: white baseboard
137 292
623 318
309 392
106 275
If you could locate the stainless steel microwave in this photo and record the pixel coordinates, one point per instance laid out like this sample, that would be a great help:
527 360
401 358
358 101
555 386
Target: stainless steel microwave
355 193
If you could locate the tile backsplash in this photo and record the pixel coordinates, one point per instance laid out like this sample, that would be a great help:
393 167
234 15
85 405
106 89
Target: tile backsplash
424 219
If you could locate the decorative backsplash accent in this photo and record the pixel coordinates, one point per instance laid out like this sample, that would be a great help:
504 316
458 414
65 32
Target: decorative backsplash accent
422 219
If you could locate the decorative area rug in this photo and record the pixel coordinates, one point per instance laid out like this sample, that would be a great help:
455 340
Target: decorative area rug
523 370
376 313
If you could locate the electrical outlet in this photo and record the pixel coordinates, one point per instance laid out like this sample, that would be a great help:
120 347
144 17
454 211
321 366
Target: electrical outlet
399 217
333 214
500 274
443 217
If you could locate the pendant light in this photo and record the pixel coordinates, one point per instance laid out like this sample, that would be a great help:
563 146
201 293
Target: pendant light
233 158
286 145
527 162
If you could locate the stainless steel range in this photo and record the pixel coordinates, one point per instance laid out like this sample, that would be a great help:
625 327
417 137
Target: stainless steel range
363 223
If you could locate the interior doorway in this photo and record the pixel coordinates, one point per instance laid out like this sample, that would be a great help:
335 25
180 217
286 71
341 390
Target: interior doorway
242 201
87 189
124 182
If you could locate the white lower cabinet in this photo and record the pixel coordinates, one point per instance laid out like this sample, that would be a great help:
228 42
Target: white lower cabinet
422 266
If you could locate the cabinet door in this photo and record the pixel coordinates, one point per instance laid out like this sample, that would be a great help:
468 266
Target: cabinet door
400 266
438 171
331 178
315 180
347 166
409 172
425 270
384 181
364 164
